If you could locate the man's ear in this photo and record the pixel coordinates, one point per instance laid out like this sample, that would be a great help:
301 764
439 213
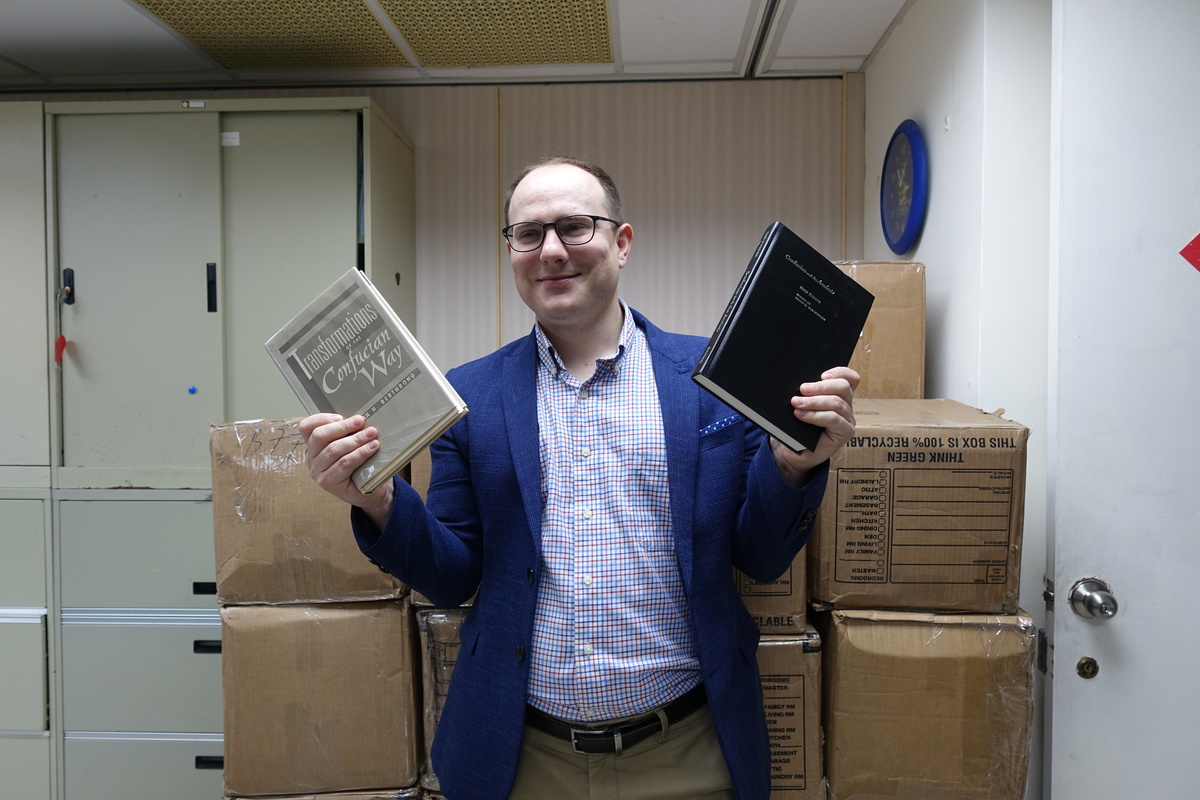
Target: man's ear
624 243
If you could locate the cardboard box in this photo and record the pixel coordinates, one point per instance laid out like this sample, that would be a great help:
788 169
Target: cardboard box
921 706
778 607
924 510
790 669
279 537
320 698
890 355
439 651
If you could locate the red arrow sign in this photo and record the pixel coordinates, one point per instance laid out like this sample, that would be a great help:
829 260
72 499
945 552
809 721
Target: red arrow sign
1192 252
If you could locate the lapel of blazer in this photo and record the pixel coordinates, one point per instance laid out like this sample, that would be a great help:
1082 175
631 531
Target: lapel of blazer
680 416
519 393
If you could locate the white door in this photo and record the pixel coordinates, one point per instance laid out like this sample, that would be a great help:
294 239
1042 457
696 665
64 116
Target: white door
1125 442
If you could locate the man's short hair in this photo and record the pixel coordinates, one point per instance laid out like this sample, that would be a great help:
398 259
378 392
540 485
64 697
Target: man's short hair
612 196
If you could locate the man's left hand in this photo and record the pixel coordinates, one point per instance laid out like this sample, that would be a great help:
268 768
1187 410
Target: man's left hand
829 404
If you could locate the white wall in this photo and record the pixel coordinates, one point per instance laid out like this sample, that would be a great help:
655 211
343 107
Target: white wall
974 74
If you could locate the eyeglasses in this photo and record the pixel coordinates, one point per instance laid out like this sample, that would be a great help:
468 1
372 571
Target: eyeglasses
576 229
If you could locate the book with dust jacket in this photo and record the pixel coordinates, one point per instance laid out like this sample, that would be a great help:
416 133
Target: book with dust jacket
347 352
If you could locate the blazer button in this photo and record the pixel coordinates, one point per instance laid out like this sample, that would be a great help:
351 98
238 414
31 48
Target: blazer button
531 576
520 653
806 521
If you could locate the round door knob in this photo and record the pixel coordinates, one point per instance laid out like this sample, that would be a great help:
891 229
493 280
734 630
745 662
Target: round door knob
1093 599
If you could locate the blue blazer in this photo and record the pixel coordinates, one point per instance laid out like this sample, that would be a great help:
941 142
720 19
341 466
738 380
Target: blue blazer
481 532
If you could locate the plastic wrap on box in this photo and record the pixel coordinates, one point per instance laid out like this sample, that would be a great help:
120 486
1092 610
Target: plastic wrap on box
279 537
927 706
439 652
320 698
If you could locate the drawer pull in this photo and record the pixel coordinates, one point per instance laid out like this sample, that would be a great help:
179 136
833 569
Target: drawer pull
211 280
210 762
204 587
206 646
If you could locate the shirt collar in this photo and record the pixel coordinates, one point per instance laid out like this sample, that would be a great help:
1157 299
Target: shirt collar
549 357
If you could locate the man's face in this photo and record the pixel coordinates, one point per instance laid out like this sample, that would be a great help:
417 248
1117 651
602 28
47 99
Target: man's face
567 287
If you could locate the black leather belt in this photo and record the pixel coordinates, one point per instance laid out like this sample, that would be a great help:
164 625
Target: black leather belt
615 738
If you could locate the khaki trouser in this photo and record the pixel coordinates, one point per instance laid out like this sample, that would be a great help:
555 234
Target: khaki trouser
683 762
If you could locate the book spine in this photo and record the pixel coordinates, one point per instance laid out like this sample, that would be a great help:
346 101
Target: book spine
718 336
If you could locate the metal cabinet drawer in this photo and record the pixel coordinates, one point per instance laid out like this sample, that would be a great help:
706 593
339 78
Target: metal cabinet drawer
23 553
154 671
137 554
25 767
23 698
116 768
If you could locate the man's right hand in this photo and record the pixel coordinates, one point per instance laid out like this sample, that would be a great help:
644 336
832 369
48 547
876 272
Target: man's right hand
337 447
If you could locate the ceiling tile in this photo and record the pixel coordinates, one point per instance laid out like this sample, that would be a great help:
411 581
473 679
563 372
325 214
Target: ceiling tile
820 28
653 31
477 33
81 37
274 34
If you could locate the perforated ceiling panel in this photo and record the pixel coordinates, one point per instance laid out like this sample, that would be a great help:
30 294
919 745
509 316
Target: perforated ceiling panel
282 34
483 33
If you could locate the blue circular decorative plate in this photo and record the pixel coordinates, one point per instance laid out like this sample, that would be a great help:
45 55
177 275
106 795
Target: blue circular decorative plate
904 188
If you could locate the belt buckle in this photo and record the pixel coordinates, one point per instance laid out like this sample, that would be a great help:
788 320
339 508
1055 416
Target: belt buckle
614 733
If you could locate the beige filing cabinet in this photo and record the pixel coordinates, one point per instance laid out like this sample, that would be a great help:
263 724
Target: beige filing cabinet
26 749
25 746
25 392
141 645
187 234
190 231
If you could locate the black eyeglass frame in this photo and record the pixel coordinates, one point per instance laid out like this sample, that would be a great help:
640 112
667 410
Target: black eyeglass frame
507 232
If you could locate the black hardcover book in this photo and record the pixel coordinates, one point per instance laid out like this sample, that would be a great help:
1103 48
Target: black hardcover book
793 316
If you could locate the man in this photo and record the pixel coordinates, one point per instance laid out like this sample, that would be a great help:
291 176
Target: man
597 500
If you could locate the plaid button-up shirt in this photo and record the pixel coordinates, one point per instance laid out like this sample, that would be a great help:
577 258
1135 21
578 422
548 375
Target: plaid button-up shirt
611 634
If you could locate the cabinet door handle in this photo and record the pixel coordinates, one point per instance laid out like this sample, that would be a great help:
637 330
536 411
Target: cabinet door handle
204 587
212 287
206 646
210 762
68 286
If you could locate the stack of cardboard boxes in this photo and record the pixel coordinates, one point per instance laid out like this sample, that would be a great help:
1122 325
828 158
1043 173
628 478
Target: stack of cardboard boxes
890 357
320 669
913 574
928 662
923 662
894 660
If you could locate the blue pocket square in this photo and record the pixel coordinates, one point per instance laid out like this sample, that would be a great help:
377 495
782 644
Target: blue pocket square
725 423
